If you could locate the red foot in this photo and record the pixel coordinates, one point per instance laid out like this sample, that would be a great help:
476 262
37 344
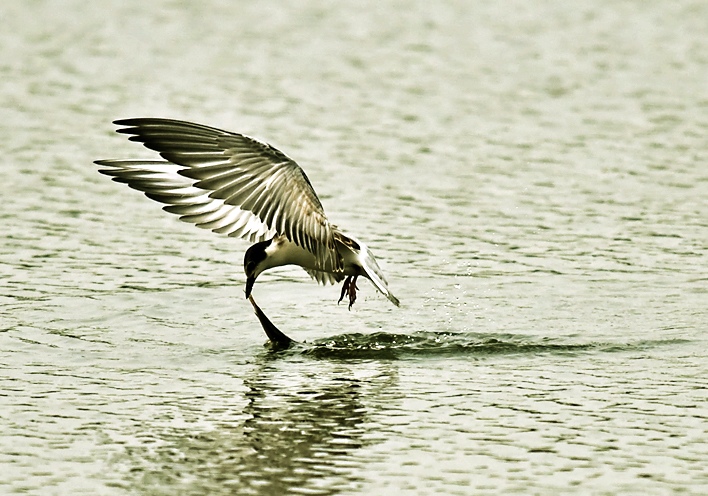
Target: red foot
349 288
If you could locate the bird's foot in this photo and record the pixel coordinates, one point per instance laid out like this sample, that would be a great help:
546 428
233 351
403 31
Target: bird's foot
349 288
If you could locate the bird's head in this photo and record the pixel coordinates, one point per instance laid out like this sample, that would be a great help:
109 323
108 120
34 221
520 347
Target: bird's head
253 263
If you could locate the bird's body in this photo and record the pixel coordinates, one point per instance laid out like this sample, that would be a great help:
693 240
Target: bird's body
281 251
242 187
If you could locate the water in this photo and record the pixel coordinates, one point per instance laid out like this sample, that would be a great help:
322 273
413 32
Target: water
530 175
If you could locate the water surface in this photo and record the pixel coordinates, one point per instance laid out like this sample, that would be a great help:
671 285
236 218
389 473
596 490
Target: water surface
531 177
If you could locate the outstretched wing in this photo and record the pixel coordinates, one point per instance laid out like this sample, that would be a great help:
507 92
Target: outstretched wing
226 182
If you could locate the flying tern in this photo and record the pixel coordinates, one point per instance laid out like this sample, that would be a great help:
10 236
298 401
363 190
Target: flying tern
239 186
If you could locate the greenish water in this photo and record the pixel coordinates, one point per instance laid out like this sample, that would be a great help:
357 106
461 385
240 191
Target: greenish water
530 175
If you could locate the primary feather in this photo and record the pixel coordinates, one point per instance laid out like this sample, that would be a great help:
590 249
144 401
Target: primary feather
227 182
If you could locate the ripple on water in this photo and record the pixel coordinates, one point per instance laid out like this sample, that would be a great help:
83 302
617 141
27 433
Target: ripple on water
386 345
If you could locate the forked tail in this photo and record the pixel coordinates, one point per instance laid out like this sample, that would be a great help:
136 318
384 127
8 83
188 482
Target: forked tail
374 274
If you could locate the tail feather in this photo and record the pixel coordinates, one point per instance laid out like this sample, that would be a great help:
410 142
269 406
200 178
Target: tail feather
373 273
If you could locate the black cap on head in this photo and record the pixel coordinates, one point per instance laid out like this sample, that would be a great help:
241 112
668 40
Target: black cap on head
253 257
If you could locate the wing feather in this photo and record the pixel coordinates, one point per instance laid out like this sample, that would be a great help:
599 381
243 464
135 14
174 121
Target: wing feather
160 181
227 182
325 278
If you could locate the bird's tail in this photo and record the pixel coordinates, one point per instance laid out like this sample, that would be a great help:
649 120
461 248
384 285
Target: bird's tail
374 274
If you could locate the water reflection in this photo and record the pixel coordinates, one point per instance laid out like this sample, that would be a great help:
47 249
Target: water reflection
303 429
300 416
296 432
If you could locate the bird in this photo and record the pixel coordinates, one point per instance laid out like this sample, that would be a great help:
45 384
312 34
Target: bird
240 186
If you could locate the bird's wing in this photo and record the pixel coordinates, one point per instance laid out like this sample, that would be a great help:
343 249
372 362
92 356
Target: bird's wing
325 278
226 182
162 182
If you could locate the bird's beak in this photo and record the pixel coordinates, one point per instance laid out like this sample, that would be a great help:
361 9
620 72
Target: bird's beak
249 285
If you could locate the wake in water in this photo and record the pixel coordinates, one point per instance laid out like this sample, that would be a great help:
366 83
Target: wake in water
386 345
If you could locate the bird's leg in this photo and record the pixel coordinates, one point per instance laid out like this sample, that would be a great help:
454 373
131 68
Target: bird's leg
352 292
349 288
345 288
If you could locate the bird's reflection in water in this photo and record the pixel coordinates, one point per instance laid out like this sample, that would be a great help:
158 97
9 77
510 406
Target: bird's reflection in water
296 427
304 428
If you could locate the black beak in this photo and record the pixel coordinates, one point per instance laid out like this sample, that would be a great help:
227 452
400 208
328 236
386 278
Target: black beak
249 285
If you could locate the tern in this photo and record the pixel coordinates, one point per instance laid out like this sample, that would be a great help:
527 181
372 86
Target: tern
236 185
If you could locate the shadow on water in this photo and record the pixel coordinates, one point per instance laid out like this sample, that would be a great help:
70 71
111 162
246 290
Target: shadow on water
385 345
